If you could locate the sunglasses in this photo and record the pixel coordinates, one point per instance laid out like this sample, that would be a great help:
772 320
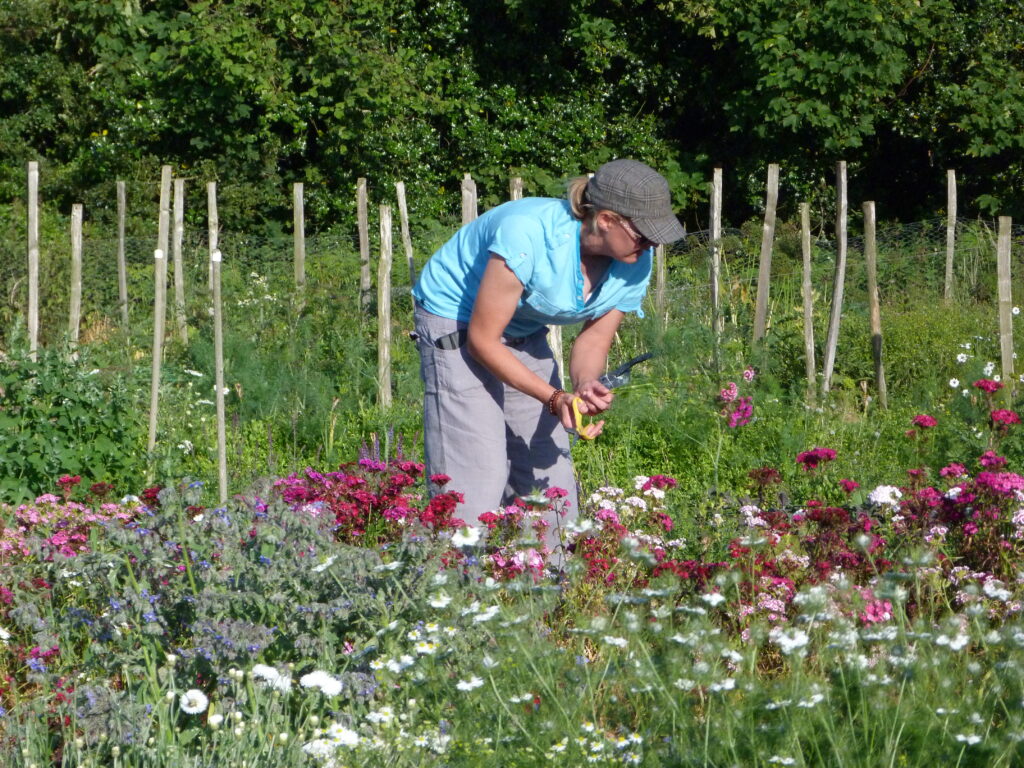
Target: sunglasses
640 240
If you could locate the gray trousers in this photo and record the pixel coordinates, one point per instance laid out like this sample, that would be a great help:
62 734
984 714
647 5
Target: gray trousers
492 440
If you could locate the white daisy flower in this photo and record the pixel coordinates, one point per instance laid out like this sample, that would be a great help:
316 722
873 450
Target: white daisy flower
193 702
469 685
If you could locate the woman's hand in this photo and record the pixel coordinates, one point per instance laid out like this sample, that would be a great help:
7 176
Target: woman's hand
595 396
567 414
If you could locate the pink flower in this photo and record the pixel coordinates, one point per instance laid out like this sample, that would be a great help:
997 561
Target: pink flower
849 485
988 385
555 493
729 394
1004 417
749 373
742 412
924 421
953 470
990 459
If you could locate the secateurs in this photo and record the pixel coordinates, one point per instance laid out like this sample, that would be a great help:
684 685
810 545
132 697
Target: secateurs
616 378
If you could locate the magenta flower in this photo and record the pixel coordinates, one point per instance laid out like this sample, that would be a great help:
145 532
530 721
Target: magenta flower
924 421
742 413
989 460
953 470
1004 417
849 485
988 385
813 458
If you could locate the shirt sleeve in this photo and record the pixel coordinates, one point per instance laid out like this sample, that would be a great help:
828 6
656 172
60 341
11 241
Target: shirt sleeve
519 240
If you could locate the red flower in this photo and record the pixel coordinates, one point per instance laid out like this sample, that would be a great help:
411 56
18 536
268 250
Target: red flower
849 485
813 458
924 421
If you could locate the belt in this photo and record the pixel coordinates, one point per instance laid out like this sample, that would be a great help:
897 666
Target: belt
457 339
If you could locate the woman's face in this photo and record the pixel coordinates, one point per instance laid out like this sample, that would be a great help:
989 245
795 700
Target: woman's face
623 240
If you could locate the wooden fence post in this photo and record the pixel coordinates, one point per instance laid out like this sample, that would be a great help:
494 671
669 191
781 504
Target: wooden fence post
716 256
218 341
515 188
836 309
808 297
660 278
1005 306
33 259
179 263
384 311
122 269
947 293
75 314
874 308
764 271
469 204
299 237
212 224
218 365
363 225
159 302
403 216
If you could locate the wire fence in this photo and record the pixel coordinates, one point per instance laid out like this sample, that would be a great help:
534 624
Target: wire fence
911 263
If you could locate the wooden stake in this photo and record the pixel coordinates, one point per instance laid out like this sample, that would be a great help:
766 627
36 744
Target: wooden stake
808 297
384 311
1005 306
122 270
403 216
874 308
660 278
363 225
947 293
836 310
299 236
469 204
159 305
515 188
33 259
218 363
218 342
717 324
179 267
75 318
212 224
75 315
764 272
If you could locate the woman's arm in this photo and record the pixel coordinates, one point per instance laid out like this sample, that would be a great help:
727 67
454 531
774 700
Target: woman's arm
589 359
496 302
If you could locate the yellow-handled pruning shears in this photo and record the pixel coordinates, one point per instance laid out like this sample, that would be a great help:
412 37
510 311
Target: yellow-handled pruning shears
617 378
586 431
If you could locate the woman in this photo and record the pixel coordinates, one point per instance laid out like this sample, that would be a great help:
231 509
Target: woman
494 407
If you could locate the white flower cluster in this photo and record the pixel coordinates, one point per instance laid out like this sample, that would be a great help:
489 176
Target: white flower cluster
885 495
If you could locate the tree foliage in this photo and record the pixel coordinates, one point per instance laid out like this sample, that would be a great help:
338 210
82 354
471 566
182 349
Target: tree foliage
256 95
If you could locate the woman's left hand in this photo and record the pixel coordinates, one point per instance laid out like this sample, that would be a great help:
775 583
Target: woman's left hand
596 397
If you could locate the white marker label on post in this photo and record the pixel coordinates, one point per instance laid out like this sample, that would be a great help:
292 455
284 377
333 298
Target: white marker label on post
214 255
158 254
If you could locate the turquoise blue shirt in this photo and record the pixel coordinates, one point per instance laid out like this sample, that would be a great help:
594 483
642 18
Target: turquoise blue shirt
539 239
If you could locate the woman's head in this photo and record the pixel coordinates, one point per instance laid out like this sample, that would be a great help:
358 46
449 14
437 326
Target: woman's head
634 192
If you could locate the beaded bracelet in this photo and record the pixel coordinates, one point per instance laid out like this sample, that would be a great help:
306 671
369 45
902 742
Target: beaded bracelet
551 400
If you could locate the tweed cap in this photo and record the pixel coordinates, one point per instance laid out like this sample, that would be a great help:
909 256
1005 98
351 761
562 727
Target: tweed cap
638 192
